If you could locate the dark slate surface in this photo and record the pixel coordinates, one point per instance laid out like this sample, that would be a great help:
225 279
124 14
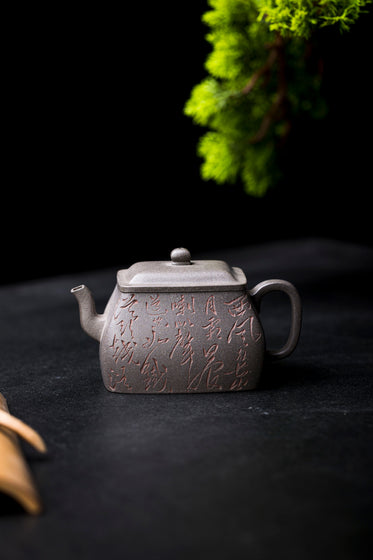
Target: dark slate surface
281 472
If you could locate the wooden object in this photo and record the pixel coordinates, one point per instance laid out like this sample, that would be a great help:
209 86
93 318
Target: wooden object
15 477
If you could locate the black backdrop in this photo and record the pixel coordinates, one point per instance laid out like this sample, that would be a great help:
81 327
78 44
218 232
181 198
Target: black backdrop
100 165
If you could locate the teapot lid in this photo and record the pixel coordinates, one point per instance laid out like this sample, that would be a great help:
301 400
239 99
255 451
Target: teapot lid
180 274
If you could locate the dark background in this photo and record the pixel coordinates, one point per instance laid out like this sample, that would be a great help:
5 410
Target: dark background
99 170
100 165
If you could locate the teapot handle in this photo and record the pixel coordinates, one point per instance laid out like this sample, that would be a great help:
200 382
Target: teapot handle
264 288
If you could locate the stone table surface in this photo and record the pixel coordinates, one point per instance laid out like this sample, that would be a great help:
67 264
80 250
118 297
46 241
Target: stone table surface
284 471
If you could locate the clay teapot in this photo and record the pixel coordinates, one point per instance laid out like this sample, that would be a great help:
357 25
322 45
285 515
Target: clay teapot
183 326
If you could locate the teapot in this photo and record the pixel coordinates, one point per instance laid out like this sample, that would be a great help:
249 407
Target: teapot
184 326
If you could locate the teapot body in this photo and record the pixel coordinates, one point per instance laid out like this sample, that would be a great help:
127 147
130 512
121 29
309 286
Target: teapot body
181 342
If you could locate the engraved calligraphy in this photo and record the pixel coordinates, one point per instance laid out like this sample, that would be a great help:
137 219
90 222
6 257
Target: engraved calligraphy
181 342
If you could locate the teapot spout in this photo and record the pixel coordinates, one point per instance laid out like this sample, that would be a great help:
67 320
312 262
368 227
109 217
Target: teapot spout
92 323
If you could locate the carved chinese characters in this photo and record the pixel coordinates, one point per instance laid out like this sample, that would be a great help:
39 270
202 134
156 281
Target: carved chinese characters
182 342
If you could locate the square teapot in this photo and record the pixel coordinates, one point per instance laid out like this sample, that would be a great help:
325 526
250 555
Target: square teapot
184 326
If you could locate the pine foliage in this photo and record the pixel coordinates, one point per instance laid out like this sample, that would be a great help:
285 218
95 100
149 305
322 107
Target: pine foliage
301 17
259 79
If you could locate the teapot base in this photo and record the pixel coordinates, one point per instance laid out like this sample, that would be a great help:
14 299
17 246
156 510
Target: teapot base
123 388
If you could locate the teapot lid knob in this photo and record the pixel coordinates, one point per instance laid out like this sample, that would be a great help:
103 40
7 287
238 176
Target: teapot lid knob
180 256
